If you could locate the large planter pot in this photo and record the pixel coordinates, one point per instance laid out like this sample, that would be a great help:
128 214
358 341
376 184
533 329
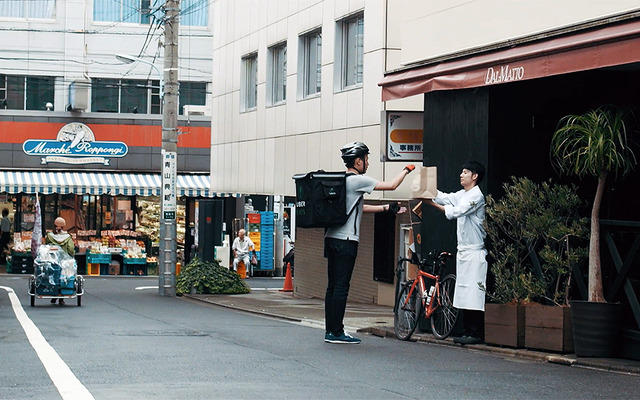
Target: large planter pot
548 328
504 324
596 328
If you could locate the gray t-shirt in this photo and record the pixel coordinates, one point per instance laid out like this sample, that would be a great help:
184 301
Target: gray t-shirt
357 185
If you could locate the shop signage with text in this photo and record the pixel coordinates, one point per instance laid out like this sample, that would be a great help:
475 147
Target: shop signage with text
75 144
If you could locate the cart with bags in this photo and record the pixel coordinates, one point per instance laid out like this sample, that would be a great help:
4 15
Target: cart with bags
55 276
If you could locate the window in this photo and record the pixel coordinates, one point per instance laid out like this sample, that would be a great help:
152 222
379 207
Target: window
351 51
132 11
194 12
26 92
44 9
278 73
140 96
125 96
311 63
192 93
249 89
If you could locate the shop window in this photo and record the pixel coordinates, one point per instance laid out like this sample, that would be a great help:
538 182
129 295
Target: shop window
311 63
249 88
90 217
277 82
192 93
26 92
350 34
40 9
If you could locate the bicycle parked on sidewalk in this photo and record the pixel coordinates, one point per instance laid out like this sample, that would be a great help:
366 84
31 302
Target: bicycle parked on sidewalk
427 295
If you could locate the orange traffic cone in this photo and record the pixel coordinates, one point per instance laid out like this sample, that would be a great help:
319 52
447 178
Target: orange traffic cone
288 280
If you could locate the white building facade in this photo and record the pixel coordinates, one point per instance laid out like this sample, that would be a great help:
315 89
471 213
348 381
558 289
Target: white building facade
50 44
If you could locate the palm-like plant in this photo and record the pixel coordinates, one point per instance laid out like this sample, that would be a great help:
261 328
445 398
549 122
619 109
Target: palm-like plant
593 144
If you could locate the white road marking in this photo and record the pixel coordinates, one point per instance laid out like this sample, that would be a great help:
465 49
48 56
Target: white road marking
146 287
64 380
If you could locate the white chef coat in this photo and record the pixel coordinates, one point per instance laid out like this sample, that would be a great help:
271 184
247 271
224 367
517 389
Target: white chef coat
467 207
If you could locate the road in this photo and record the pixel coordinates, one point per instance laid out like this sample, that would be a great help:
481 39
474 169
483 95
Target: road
127 342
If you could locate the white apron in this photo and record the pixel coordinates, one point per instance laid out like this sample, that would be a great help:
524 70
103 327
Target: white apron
471 269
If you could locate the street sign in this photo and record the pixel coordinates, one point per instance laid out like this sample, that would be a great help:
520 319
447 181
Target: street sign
169 177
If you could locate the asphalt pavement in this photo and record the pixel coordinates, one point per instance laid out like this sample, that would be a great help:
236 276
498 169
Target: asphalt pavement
267 299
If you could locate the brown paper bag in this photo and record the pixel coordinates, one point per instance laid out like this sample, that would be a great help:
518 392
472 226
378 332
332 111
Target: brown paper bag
425 186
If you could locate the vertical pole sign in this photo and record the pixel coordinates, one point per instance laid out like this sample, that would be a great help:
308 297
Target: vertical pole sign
169 178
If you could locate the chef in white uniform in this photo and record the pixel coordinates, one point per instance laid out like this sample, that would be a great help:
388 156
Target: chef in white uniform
467 207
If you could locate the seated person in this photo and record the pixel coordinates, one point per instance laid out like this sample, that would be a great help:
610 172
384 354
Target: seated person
241 247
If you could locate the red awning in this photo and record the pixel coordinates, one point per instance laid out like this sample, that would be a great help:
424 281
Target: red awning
595 48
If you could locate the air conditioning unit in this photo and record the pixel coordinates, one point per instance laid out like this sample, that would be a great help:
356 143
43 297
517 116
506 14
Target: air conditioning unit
197 110
79 95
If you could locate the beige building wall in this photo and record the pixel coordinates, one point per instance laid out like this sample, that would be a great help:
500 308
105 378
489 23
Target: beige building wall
260 150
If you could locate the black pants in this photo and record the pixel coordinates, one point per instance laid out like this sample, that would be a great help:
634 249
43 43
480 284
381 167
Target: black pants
473 323
341 258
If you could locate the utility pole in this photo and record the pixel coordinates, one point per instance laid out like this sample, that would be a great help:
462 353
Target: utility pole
168 226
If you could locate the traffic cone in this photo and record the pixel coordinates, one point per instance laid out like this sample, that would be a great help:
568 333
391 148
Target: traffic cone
288 280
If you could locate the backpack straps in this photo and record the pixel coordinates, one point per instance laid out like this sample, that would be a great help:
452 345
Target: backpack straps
355 221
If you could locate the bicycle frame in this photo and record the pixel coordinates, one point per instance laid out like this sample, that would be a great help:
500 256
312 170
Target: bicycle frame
439 310
419 281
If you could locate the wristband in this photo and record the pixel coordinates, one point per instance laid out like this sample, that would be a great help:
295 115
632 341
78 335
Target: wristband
394 208
410 167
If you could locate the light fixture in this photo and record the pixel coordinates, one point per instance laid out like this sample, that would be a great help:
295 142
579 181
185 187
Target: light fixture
127 59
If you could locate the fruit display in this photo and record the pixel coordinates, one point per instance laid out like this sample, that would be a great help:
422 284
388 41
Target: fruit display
149 220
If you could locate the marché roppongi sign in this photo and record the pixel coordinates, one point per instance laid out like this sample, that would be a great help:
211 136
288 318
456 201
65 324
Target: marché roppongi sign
75 144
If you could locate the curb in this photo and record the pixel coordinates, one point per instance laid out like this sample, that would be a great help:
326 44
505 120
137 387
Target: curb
621 366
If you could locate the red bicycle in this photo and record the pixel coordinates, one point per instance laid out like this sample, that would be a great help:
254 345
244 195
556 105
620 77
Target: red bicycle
415 298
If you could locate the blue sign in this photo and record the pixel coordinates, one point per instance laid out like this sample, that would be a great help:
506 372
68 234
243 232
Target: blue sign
83 149
75 144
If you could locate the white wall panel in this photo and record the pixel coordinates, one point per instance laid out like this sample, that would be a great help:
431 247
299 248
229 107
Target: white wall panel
354 107
434 29
340 110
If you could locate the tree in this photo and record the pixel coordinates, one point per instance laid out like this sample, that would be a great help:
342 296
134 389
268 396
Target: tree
593 144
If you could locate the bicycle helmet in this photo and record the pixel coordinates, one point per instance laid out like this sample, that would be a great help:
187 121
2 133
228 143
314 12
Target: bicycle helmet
351 151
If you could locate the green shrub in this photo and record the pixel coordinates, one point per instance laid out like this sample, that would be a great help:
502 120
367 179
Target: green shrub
535 238
209 278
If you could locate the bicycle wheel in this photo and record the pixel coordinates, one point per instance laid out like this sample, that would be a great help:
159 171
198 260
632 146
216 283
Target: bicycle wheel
444 317
405 319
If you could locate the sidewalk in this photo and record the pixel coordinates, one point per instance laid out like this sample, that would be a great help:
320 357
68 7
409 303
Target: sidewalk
378 321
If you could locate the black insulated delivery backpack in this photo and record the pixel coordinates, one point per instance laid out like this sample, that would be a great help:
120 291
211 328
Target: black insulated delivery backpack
321 199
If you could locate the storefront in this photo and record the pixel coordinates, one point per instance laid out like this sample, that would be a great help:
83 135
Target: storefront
500 106
107 190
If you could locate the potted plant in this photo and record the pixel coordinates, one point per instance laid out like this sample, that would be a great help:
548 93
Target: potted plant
514 284
594 144
534 236
559 246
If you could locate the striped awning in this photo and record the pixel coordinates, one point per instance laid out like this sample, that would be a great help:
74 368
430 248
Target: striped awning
99 183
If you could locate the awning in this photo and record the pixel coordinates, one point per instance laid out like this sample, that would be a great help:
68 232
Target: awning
605 46
99 183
